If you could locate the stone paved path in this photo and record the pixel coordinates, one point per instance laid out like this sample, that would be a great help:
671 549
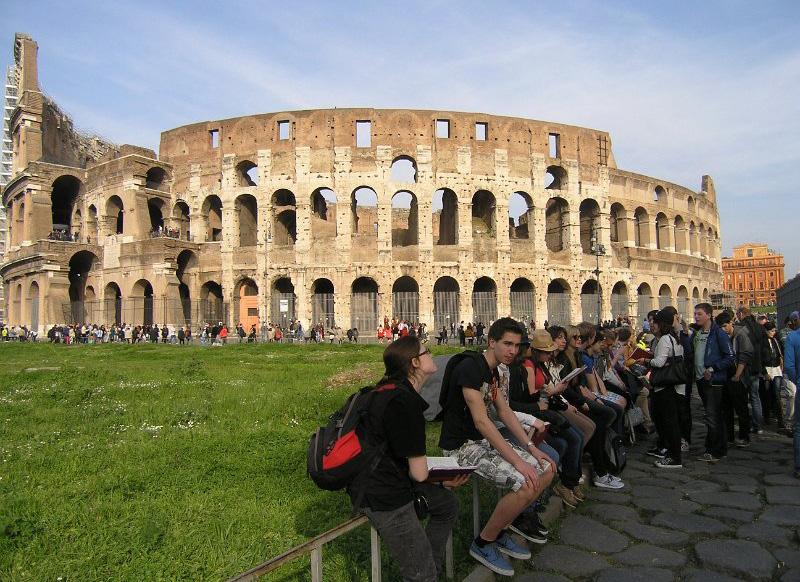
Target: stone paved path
736 520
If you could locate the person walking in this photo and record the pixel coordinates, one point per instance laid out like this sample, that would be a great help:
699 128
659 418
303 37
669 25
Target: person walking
792 367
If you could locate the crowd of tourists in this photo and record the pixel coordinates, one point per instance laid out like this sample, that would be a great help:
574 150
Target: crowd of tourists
534 407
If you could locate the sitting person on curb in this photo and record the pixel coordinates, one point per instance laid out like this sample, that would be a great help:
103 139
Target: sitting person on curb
471 437
397 486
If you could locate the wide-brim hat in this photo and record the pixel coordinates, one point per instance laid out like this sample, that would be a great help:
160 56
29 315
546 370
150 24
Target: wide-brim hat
542 342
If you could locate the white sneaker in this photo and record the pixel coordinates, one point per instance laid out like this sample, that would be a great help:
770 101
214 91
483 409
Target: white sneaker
616 479
608 482
684 445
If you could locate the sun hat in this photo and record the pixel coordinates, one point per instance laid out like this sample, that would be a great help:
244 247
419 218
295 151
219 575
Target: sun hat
542 341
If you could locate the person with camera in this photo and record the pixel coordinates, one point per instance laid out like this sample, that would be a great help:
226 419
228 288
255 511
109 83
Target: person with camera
397 495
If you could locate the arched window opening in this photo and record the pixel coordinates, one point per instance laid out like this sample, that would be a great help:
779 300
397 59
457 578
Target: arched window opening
404 169
154 180
684 308
445 217
642 220
142 299
364 205
405 219
115 215
77 222
446 307
364 305
680 235
92 225
323 303
662 231
556 234
247 173
619 300
644 298
589 212
692 238
659 194
212 211
212 308
284 227
555 178
247 218
558 300
616 222
664 296
283 198
523 303
323 213
405 299
282 302
484 301
520 216
154 209
62 200
484 209
590 301
181 220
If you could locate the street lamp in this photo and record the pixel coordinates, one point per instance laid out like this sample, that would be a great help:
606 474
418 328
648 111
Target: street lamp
598 250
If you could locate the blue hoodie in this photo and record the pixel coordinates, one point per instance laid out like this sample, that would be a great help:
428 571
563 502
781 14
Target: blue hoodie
719 354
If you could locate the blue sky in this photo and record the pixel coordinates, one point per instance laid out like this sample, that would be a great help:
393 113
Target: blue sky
684 88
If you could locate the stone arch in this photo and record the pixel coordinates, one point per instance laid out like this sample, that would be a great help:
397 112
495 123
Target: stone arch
701 239
591 294
523 300
664 296
445 217
484 301
283 301
405 299
155 178
642 232
644 298
33 306
115 215
63 196
520 216
555 178
662 231
112 303
364 224
619 300
403 169
155 209
405 219
77 221
659 194
556 224
247 173
446 304
323 214
246 208
618 223
692 238
589 211
142 300
323 303
484 214
705 294
212 306
691 205
683 306
680 235
80 265
558 302
212 214
92 225
181 219
364 305
245 297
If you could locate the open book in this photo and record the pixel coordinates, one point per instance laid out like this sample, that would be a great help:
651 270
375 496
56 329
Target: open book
446 468
572 374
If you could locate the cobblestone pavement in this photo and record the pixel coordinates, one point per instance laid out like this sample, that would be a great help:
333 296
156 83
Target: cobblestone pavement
736 520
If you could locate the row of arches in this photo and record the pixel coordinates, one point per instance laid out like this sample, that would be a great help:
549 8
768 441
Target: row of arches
662 233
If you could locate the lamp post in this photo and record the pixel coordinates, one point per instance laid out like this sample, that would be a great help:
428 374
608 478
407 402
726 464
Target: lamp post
598 250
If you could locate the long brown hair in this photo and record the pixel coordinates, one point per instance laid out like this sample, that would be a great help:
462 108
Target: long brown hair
397 360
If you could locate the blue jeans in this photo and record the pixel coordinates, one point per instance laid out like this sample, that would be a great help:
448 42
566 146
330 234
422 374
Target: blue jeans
756 417
797 431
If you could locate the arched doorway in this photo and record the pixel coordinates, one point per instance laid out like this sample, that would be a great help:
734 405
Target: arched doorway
364 306
80 264
523 303
212 213
33 300
323 214
405 299
684 307
589 212
619 300
187 270
484 301
445 217
664 296
155 208
556 216
211 305
558 300
247 304
644 298
282 302
115 216
247 219
112 304
323 303
446 312
142 296
181 219
590 301
405 219
63 196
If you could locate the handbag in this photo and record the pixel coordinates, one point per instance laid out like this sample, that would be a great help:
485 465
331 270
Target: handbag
673 373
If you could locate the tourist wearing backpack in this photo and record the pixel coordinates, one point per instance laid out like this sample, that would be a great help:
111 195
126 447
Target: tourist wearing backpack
396 495
469 435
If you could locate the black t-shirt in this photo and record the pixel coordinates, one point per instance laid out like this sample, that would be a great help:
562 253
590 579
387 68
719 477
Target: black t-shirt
403 428
458 426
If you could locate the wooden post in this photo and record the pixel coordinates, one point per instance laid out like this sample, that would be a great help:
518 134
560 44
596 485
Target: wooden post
375 551
316 564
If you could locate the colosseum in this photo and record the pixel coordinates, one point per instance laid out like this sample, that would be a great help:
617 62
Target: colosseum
342 216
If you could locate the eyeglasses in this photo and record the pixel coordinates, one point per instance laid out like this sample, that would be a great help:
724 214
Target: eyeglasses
423 353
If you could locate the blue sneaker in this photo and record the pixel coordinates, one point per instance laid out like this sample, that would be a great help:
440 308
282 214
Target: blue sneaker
490 557
507 545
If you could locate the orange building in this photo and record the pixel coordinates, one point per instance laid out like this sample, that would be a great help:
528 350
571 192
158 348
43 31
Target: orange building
753 274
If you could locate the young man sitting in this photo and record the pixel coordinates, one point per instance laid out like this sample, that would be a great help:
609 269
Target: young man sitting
469 435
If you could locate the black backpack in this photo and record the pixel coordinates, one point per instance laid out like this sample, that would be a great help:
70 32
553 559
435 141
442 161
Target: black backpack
345 452
444 392
616 451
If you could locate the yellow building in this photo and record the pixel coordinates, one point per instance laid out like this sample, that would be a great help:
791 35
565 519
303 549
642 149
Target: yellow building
753 274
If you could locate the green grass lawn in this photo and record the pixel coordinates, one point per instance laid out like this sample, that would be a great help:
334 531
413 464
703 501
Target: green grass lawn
160 462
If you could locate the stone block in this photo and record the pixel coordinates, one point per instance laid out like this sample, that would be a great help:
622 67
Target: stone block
740 557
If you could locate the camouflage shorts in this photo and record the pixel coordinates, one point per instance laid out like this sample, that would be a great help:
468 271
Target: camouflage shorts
492 466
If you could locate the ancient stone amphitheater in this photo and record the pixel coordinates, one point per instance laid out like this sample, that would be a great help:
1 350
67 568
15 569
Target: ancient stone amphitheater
345 216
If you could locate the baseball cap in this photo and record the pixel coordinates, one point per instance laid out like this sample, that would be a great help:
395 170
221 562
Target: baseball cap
794 315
